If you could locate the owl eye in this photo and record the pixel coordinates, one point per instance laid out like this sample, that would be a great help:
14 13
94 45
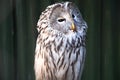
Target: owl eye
73 15
61 19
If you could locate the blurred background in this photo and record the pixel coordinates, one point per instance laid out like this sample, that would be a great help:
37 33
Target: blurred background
18 19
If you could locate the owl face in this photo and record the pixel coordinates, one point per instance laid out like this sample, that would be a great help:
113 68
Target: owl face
66 18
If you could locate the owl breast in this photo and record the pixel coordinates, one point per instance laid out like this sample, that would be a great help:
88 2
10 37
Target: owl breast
60 57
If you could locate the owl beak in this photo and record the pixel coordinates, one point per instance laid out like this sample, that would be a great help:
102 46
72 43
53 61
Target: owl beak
73 27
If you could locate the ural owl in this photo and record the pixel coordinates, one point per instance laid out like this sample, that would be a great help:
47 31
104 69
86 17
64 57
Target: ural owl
60 46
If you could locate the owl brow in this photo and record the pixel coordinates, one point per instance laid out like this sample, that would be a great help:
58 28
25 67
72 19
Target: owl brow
54 9
66 5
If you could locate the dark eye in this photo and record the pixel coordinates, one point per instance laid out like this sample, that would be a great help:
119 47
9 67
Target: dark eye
61 20
73 15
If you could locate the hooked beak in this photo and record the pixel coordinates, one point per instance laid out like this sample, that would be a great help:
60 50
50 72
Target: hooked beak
73 27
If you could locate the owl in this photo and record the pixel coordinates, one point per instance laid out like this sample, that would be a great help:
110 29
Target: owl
60 46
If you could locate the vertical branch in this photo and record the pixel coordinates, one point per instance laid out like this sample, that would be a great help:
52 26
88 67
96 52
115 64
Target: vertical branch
14 38
101 40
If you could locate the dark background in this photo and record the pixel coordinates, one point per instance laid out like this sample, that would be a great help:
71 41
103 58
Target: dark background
18 19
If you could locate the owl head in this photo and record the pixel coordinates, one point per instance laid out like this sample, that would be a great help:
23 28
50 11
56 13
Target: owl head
65 18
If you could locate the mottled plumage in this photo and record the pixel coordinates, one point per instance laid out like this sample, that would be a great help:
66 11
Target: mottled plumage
60 46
